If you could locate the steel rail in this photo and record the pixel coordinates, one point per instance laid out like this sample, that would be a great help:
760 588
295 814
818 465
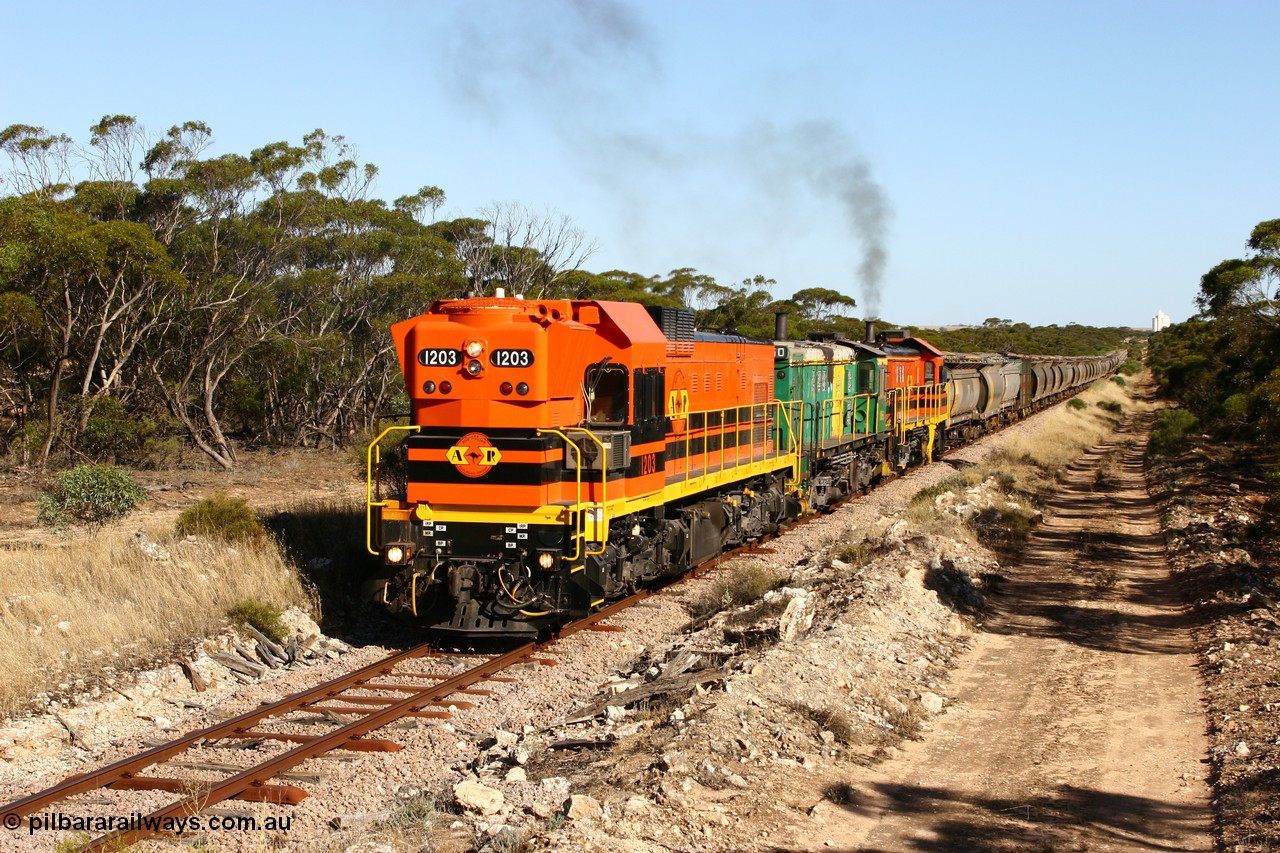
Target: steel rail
129 767
251 782
259 774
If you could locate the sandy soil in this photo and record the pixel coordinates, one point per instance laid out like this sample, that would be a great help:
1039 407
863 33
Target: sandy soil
1077 722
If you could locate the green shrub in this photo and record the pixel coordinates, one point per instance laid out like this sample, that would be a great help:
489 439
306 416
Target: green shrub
1235 410
89 496
261 615
113 432
1130 367
856 554
1119 380
954 483
1077 404
25 444
227 518
1111 406
1170 431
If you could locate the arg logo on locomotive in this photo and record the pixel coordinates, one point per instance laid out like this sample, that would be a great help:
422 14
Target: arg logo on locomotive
474 455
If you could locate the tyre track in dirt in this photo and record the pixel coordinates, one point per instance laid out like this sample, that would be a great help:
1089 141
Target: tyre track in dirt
1077 722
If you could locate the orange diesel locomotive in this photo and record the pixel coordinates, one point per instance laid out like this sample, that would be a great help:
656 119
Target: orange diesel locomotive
561 452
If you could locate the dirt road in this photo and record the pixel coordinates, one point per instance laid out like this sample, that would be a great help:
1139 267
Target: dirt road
1076 723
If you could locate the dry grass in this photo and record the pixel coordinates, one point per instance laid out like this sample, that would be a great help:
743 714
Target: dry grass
1031 464
842 725
89 606
745 583
1026 471
924 518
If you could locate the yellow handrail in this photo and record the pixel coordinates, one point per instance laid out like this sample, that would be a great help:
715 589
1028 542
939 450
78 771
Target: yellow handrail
373 451
604 488
782 410
580 527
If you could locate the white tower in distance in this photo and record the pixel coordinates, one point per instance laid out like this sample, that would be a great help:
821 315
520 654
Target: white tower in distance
1161 321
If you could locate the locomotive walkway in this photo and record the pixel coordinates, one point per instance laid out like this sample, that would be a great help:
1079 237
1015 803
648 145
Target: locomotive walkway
1076 722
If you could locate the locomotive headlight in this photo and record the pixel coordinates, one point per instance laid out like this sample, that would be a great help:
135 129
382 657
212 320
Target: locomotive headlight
546 559
474 367
473 349
397 554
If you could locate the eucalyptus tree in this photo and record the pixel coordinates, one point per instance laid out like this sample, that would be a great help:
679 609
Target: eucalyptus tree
355 267
228 247
100 289
822 304
743 309
525 252
1247 290
39 161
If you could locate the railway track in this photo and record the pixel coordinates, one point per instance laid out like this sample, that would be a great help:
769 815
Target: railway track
357 703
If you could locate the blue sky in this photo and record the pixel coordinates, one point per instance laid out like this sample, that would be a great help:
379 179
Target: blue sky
1043 162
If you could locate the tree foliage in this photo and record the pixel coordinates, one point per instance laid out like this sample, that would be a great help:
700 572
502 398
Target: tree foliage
151 289
1224 365
996 335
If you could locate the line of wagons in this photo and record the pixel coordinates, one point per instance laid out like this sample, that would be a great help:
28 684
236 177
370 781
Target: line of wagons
900 401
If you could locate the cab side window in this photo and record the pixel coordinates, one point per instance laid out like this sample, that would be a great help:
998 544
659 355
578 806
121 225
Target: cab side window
607 391
866 377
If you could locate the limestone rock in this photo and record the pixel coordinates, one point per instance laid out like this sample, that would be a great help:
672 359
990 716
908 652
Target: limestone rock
582 807
475 797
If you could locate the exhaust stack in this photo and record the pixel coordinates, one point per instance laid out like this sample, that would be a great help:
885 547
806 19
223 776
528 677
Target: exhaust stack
871 331
780 326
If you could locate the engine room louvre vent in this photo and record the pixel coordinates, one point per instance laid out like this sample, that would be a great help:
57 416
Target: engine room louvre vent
677 325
